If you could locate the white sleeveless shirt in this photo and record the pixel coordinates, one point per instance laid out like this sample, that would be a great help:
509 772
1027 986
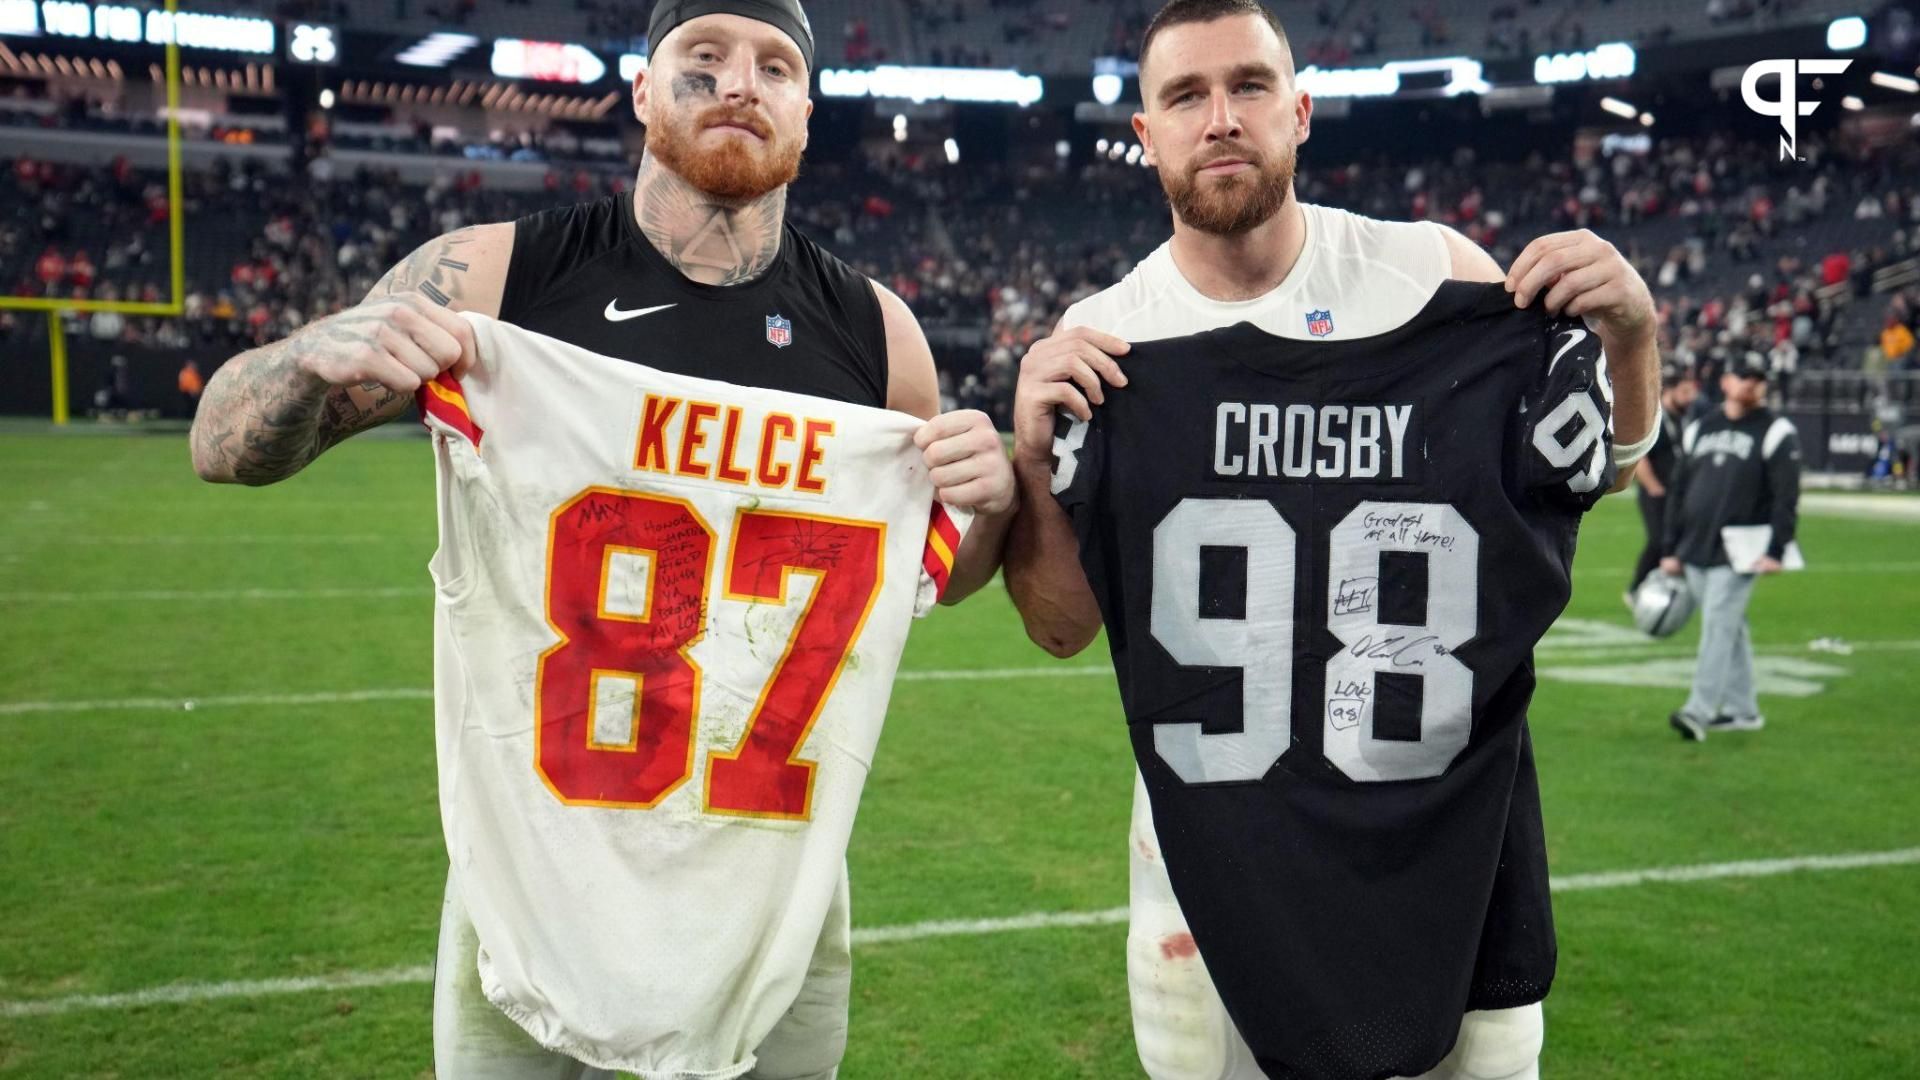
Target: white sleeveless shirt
1356 277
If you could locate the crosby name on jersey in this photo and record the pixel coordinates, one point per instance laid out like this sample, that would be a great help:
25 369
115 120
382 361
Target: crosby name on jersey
1326 442
668 615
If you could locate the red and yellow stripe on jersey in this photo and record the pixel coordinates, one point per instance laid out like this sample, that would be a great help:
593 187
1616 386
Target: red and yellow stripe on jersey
442 399
943 543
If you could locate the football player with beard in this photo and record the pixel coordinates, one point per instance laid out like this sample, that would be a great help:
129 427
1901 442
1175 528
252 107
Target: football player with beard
1222 121
696 273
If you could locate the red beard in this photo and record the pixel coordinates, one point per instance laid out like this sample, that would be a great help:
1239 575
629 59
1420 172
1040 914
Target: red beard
738 169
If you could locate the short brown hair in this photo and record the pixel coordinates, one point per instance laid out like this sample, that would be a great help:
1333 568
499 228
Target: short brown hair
1178 12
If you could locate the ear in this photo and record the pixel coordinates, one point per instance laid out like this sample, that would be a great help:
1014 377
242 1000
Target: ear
640 89
1145 135
1303 116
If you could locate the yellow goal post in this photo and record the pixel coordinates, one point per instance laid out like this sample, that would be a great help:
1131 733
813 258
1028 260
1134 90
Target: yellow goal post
55 306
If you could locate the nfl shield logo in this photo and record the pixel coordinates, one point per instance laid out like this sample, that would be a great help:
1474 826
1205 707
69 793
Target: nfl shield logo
779 331
1319 323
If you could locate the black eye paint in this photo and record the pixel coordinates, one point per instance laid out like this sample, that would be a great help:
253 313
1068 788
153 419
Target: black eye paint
695 82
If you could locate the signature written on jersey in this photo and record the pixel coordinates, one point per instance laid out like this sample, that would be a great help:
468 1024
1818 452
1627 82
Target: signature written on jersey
734 444
1327 442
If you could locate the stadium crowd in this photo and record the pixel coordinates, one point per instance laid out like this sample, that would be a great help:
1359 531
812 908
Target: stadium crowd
1743 255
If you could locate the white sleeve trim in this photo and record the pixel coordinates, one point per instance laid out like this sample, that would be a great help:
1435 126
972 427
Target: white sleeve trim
1625 456
1777 433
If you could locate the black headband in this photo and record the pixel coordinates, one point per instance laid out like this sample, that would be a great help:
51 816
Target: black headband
785 16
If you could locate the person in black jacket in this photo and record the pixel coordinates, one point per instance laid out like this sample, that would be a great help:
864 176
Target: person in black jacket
1737 466
1678 388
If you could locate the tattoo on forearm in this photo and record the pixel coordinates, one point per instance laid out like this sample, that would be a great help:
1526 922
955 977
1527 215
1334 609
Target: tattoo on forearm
709 240
261 420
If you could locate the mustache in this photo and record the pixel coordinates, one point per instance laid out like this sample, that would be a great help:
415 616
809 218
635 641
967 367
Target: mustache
1229 151
745 118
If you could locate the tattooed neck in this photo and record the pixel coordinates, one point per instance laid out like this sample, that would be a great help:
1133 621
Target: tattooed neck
712 241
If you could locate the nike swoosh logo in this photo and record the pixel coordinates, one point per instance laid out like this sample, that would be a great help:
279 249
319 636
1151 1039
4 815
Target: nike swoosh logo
1574 337
614 314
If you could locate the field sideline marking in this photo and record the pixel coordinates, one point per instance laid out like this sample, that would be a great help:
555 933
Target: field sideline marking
422 591
104 540
412 693
165 595
421 693
183 993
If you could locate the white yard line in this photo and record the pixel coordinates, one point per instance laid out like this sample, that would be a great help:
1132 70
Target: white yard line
104 597
1904 508
968 674
1547 650
1814 566
69 540
409 693
334 697
183 993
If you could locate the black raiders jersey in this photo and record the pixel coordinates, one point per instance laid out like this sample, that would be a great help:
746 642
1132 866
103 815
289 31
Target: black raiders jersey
1323 567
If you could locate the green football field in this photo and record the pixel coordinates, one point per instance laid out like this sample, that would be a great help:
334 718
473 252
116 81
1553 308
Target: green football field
251 887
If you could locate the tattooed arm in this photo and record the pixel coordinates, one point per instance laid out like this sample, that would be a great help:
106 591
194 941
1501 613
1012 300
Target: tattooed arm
268 412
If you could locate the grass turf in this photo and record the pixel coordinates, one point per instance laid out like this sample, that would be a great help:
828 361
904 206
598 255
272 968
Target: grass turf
144 847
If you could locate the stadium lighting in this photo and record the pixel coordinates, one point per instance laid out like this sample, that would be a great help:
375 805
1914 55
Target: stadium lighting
20 18
1464 76
1848 33
1107 88
1619 108
1895 82
1100 146
1646 119
224 32
310 43
326 99
66 18
547 61
436 50
953 152
1062 149
1614 60
1002 86
631 64
1133 155
1852 103
900 127
112 22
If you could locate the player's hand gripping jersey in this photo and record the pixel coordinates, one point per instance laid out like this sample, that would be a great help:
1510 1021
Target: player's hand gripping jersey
1323 567
669 615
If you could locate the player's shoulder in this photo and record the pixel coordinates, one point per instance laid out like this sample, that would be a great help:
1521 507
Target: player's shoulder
1418 245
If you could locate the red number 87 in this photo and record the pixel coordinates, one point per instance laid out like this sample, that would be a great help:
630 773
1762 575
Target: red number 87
760 776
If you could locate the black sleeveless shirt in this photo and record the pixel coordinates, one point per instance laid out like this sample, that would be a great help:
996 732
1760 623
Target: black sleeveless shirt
809 324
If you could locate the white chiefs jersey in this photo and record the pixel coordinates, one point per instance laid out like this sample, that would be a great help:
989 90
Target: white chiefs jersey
1356 277
669 613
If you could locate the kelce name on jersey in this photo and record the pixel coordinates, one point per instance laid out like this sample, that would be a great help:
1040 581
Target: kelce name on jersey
734 444
1330 442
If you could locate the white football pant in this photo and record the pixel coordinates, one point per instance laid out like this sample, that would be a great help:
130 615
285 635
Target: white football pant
1182 1030
473 1040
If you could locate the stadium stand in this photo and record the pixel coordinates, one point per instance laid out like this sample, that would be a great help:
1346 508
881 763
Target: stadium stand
293 214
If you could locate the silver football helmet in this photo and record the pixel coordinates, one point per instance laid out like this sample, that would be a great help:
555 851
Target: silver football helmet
1662 604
